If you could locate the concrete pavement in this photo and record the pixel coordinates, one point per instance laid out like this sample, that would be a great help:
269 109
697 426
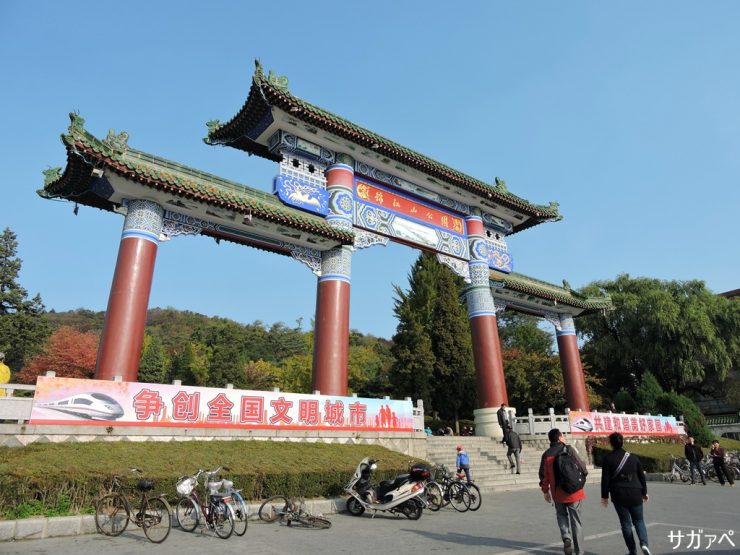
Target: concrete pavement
510 523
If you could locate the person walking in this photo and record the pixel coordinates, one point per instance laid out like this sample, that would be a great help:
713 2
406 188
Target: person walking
503 417
694 455
623 478
718 459
562 476
514 443
463 462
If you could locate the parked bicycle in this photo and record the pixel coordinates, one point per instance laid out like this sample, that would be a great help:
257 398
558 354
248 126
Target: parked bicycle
454 491
475 495
213 510
679 471
238 505
114 511
292 512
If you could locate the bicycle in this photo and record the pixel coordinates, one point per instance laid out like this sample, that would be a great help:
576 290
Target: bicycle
475 495
214 510
677 472
114 511
295 515
454 492
238 505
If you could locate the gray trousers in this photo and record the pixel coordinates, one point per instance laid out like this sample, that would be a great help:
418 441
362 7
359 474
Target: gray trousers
515 452
569 522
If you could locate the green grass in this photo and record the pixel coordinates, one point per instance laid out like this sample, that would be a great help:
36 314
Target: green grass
656 457
43 478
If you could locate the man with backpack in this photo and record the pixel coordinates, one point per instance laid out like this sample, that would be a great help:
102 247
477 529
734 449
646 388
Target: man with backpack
562 477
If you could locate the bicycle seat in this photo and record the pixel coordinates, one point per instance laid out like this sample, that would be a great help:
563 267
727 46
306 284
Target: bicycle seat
145 485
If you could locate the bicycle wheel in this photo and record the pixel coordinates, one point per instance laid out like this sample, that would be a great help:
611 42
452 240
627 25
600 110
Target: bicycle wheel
241 514
310 521
111 515
222 520
475 497
273 507
157 519
187 514
433 496
459 497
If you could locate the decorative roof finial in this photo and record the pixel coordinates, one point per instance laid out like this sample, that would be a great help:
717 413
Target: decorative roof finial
51 175
117 143
277 81
501 185
77 122
212 125
566 285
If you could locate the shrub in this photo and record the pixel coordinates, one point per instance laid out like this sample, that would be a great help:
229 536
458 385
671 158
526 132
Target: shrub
624 401
647 394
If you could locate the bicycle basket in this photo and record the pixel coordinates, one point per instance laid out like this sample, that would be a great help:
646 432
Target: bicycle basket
228 486
185 485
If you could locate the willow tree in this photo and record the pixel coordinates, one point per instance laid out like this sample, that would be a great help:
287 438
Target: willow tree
681 332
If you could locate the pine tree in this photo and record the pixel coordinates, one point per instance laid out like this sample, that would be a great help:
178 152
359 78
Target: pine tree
453 391
411 373
154 365
23 327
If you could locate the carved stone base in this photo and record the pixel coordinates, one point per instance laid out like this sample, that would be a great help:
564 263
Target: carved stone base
486 422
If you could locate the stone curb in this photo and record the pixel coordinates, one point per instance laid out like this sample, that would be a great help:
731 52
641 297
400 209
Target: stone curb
59 526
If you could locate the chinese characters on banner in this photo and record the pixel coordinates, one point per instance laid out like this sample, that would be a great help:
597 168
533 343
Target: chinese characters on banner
604 423
396 202
84 402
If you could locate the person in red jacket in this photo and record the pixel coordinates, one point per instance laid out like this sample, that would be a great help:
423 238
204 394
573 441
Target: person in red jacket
567 505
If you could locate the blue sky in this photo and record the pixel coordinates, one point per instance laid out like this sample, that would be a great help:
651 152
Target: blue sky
627 114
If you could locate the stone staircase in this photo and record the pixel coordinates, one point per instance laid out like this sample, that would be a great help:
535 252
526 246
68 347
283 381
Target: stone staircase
489 467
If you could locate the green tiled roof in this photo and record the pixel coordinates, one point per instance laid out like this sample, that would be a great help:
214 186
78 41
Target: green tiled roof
85 151
545 290
267 91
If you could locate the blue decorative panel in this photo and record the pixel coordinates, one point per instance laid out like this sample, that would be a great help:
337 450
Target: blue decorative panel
499 259
302 195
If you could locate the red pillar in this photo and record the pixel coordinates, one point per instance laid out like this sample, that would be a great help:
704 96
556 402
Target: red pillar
123 332
576 394
488 363
331 336
489 367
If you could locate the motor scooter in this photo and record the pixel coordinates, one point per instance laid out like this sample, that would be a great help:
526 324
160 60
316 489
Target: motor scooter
399 496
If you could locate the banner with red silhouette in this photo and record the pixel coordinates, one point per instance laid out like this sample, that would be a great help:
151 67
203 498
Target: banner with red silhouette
71 401
604 423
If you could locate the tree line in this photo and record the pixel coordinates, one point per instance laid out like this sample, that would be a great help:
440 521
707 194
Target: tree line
672 338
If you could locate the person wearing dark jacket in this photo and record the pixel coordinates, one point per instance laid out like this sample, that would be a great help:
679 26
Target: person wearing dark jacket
718 459
623 478
514 443
694 455
567 505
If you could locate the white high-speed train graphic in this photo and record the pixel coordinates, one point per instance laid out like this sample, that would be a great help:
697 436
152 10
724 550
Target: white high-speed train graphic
95 406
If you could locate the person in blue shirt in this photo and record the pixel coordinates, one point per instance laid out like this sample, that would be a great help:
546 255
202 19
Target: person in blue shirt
463 462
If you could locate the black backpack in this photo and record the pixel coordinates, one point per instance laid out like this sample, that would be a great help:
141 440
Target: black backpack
569 476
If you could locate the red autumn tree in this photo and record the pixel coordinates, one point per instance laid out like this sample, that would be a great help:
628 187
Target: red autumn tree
68 352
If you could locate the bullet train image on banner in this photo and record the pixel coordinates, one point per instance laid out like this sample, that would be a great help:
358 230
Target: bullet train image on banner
95 406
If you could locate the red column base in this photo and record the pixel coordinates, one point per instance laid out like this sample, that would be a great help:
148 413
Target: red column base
489 366
125 319
331 338
576 394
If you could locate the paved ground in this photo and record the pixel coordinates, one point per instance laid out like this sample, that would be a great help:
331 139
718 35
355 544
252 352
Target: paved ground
516 523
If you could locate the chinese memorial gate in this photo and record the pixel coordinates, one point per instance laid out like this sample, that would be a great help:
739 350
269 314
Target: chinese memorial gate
340 188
